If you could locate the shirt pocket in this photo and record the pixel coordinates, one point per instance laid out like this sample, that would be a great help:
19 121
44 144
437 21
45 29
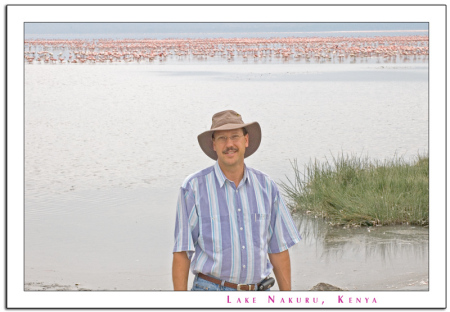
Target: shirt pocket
261 217
260 229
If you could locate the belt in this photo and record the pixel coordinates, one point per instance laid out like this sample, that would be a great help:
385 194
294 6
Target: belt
227 284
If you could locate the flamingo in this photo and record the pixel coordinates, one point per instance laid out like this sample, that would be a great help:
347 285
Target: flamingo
409 48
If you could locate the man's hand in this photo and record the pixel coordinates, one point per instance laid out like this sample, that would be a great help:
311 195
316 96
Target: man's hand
180 270
282 268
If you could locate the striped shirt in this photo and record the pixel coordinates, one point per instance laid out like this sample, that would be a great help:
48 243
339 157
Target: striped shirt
228 231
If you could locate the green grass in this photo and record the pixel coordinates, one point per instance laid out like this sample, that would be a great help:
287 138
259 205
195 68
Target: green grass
356 191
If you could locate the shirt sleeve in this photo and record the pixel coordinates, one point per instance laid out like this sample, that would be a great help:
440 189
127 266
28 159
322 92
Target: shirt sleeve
282 230
186 224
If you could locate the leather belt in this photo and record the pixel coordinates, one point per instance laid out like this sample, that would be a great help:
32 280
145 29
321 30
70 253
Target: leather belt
227 284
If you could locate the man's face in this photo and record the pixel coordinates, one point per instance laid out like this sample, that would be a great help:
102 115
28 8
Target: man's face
230 147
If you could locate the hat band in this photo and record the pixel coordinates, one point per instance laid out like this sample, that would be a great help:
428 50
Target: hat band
220 124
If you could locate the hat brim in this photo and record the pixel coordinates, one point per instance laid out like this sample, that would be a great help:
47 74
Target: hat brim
253 130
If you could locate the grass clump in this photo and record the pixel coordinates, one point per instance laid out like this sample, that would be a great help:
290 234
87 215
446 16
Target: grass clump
356 191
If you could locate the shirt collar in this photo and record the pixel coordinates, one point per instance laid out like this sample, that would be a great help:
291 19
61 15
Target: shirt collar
221 178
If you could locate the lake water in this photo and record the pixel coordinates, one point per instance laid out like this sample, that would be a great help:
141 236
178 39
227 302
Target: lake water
312 32
107 147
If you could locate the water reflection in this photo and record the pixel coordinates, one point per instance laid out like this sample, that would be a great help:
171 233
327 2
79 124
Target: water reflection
385 244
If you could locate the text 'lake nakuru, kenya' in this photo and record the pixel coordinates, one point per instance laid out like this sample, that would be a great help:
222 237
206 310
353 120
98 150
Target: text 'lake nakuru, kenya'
315 301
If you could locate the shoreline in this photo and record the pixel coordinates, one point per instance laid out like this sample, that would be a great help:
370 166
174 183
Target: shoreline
415 284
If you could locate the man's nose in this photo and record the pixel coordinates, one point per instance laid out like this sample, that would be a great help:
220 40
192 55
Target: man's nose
229 142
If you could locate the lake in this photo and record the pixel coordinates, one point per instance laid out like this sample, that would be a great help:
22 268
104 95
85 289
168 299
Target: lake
107 147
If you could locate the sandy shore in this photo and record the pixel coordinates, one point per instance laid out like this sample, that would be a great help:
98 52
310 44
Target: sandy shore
415 283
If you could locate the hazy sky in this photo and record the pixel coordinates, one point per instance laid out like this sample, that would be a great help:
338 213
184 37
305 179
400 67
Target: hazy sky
114 28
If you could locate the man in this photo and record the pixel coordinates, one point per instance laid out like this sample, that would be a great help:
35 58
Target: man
231 219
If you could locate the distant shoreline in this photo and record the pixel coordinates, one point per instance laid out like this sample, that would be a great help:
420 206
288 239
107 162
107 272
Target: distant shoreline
181 35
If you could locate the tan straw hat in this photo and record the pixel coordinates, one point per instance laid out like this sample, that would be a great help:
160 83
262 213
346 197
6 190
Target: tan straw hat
230 120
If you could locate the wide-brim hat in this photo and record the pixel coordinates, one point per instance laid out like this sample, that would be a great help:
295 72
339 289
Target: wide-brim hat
230 120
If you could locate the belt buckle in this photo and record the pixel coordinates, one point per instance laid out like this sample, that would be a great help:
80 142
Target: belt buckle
239 286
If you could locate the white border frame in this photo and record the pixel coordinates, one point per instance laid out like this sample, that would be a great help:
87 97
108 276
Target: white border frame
18 15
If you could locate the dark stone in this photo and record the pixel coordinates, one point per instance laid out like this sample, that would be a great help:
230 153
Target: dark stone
325 287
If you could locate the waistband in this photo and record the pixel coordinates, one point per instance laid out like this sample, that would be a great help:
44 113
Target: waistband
246 287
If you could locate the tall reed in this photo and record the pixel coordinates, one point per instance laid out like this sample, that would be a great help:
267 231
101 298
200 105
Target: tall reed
354 190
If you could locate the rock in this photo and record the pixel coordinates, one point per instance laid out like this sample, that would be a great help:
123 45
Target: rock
325 287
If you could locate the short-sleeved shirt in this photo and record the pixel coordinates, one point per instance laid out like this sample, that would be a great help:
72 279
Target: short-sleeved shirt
228 231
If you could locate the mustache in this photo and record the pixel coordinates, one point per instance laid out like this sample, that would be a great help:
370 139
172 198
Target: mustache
230 149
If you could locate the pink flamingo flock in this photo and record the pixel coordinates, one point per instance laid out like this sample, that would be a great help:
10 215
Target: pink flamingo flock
388 48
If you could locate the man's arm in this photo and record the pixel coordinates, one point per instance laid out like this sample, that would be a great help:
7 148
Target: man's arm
282 268
180 270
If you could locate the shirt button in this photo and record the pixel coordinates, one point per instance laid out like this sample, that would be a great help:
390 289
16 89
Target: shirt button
239 209
242 228
243 247
243 266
